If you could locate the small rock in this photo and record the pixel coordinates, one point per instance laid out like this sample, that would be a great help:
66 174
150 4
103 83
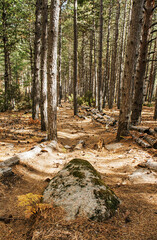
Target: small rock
67 147
114 146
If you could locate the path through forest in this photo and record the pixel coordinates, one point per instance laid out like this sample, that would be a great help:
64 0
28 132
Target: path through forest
90 140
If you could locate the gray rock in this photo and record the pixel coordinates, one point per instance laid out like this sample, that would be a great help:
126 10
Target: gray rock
113 146
79 189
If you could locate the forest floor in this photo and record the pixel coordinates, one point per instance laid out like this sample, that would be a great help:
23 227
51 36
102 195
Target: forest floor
136 218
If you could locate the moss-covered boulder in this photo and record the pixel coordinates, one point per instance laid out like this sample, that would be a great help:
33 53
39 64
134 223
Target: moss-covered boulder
78 187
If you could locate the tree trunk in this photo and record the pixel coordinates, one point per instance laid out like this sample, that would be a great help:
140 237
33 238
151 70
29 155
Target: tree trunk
155 111
60 59
141 67
114 59
6 54
121 57
91 62
100 57
37 46
152 74
107 61
75 57
131 55
43 72
52 69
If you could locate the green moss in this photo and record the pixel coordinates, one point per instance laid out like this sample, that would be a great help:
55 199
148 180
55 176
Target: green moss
111 201
83 164
97 181
78 174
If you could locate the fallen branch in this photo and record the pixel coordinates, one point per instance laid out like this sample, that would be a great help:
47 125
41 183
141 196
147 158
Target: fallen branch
140 129
149 164
140 141
151 141
29 154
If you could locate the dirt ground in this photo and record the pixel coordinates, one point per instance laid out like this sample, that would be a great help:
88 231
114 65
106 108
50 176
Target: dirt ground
136 218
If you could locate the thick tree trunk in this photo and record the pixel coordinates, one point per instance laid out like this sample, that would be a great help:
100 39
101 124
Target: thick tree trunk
52 69
37 48
100 57
75 58
114 59
131 55
43 72
141 67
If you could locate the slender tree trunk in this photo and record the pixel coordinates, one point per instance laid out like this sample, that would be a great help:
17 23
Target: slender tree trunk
43 72
141 67
75 57
152 74
91 62
82 81
155 110
37 46
31 54
131 54
114 59
60 59
107 60
6 54
52 69
100 57
121 57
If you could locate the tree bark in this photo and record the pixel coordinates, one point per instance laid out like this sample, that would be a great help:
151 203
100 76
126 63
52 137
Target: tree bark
114 59
141 67
107 60
131 55
60 58
100 57
155 110
43 72
6 54
121 57
37 48
75 58
52 69
152 74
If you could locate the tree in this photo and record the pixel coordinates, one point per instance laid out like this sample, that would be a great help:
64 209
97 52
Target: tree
43 71
100 57
60 58
131 55
6 53
155 111
37 53
52 69
107 60
75 57
114 59
141 67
